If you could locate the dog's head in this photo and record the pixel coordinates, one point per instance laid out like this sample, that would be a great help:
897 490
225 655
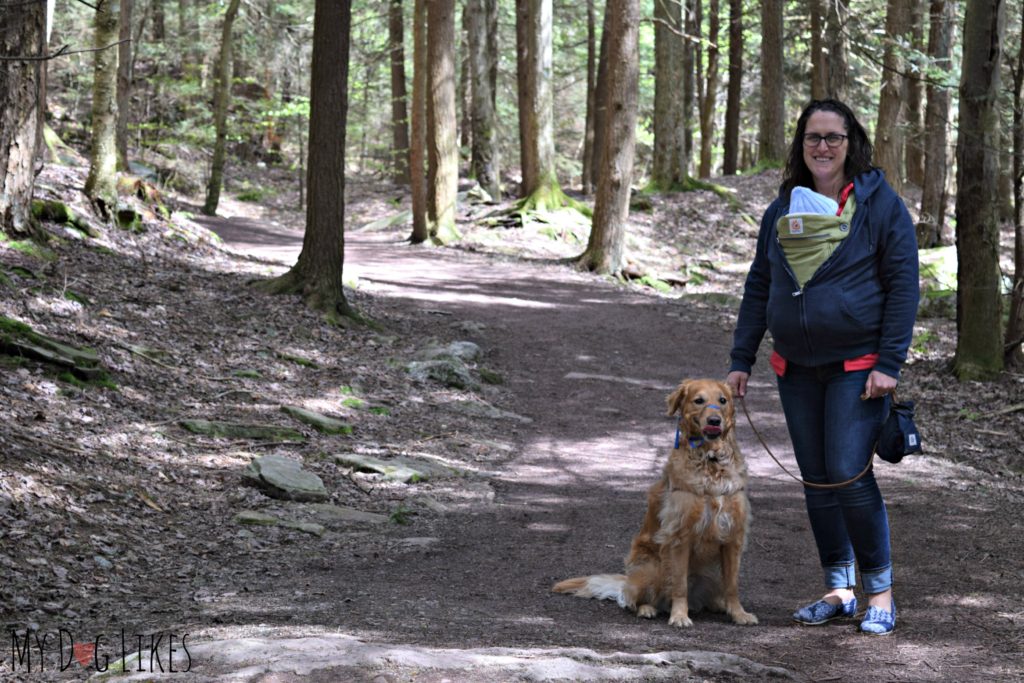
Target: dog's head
705 406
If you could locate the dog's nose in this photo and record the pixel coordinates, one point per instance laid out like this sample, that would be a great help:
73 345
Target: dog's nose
715 420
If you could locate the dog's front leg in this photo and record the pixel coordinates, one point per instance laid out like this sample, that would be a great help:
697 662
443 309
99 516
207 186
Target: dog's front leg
679 569
731 553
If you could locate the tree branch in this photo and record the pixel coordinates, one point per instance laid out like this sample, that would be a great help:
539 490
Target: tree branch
60 53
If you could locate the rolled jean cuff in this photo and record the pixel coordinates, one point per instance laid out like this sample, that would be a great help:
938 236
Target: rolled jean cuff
877 580
840 576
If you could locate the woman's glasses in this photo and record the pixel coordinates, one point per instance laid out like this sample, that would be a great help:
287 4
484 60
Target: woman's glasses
832 139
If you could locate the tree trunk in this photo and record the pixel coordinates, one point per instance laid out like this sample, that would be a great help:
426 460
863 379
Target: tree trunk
124 83
933 196
979 349
611 209
835 40
527 160
772 143
101 183
317 274
418 141
600 101
731 142
914 147
668 47
690 63
707 105
399 115
819 60
22 100
159 31
221 101
1014 354
540 188
484 161
888 132
587 179
442 137
465 93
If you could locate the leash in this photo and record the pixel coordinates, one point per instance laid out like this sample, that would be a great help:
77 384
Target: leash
810 484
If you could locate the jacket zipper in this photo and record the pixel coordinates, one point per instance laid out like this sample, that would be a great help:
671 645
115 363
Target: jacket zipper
798 293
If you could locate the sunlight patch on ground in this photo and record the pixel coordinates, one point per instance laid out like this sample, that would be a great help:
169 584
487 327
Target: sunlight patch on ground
437 297
551 528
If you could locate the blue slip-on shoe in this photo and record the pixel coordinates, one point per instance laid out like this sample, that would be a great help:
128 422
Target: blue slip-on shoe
878 622
822 612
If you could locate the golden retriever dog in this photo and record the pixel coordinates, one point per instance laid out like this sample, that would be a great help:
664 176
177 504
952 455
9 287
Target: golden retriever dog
687 554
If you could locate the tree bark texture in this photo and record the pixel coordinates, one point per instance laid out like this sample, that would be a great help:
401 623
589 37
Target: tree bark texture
586 180
1015 328
465 91
734 93
979 349
611 209
21 102
101 184
772 143
707 105
482 20
931 226
540 180
221 101
124 83
159 30
418 139
914 146
399 111
317 274
527 156
888 131
442 136
819 60
666 173
835 39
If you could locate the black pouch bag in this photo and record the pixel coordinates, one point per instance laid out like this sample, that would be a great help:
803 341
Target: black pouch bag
899 435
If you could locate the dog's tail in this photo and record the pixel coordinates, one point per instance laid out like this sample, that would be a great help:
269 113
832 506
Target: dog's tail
600 586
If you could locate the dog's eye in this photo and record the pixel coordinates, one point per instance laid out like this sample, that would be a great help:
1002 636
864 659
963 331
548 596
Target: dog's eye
722 400
699 401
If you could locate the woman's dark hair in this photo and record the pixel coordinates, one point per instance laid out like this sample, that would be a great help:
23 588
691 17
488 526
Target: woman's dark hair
858 152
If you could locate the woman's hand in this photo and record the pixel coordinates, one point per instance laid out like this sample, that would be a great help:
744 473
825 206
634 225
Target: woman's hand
879 384
737 381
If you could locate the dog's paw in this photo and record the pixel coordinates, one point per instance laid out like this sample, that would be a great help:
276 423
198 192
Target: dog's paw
744 618
646 611
680 620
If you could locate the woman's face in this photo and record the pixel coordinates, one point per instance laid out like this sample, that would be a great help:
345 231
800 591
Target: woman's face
826 163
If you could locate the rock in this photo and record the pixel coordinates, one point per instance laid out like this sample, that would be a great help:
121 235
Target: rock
282 477
251 517
466 351
305 527
450 372
396 469
418 542
322 423
335 513
485 410
233 430
432 504
103 563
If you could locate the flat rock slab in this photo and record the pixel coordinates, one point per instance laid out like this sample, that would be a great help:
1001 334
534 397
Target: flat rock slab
337 514
342 657
321 423
485 410
234 430
396 469
254 518
284 478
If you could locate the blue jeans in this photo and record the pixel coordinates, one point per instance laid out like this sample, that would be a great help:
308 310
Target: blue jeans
834 433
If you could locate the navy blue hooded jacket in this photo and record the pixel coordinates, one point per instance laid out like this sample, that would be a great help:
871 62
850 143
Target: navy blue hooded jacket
862 299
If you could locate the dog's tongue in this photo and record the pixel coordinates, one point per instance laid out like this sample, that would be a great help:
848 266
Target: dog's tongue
711 430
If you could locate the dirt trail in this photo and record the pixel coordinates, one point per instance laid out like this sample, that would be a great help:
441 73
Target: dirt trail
591 364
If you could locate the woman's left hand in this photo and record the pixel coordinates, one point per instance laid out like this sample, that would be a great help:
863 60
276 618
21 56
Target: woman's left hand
879 384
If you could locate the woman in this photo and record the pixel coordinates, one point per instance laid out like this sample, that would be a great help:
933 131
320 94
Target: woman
839 295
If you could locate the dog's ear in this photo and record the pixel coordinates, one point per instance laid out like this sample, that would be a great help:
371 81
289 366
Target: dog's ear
675 399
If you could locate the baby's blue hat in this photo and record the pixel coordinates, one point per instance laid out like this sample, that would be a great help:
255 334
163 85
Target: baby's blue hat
804 200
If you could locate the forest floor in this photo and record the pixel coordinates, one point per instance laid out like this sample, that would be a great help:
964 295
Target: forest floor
120 529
